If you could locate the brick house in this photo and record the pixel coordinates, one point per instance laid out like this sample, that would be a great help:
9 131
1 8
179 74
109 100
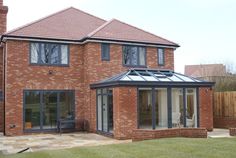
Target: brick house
109 75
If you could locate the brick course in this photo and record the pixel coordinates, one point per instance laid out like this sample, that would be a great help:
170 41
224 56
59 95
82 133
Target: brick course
142 134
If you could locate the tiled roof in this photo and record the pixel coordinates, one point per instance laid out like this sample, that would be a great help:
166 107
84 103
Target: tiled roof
117 30
73 24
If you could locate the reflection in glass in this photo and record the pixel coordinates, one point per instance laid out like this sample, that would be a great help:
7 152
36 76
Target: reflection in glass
145 108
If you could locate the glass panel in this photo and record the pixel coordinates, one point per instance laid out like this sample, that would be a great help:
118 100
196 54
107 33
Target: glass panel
105 51
49 110
134 55
64 54
125 79
164 79
160 56
142 60
55 57
45 53
161 108
34 53
150 78
66 105
145 108
99 113
32 110
105 113
126 55
177 107
175 79
191 108
186 79
136 78
110 119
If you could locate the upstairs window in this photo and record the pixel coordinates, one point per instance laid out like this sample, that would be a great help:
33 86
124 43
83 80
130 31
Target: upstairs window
49 54
161 56
105 51
134 56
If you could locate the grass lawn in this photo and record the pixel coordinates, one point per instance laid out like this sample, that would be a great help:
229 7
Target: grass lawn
161 148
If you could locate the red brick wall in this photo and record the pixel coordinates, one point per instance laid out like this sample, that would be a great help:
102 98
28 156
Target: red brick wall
142 134
85 68
20 75
206 108
125 111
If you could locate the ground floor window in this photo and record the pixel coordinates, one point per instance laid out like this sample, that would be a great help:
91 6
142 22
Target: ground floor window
105 110
167 107
43 109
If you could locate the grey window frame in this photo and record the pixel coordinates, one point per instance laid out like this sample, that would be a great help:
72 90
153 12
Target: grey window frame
108 132
105 51
160 63
39 63
42 106
138 59
169 105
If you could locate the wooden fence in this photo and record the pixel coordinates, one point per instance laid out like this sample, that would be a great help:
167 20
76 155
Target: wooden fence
225 104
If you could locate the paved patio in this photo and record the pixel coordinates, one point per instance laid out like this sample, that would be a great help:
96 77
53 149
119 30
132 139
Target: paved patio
219 133
37 142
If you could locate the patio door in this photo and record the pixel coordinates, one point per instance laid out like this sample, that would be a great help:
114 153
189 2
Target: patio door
43 109
50 110
105 110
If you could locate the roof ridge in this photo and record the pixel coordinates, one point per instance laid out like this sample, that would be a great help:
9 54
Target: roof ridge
145 31
48 16
88 13
99 28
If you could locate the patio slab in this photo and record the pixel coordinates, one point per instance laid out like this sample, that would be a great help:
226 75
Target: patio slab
219 133
12 145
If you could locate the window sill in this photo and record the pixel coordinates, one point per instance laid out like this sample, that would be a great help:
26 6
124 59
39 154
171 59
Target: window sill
135 66
50 65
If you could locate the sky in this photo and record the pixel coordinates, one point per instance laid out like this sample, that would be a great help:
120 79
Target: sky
205 29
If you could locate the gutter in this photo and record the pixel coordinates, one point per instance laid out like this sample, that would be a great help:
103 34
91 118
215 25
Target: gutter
86 40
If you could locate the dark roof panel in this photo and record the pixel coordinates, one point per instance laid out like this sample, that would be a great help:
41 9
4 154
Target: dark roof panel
151 77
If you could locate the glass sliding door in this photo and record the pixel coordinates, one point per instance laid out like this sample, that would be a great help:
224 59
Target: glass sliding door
191 107
66 105
110 113
32 110
105 110
43 109
177 107
161 107
145 108
167 107
49 110
105 113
